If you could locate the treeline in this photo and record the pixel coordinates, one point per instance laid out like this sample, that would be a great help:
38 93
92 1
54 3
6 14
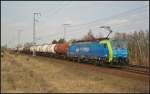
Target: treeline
138 46
61 40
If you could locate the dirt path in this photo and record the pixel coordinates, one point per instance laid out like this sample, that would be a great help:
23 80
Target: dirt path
27 74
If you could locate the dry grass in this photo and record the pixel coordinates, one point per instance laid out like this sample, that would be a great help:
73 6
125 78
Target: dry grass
27 74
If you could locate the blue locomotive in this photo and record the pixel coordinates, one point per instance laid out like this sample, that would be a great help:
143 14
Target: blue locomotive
103 52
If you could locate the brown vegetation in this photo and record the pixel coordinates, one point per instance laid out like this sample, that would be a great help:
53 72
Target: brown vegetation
26 74
89 36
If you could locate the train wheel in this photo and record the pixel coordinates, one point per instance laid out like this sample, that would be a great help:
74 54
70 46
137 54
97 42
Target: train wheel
126 61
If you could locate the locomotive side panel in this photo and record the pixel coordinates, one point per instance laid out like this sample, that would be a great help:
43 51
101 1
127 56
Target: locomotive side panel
88 49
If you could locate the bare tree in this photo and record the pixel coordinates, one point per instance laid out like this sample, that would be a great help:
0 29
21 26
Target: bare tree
54 41
89 36
138 46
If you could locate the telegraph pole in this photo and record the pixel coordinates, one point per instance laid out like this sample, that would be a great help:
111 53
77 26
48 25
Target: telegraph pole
65 30
19 34
6 39
34 31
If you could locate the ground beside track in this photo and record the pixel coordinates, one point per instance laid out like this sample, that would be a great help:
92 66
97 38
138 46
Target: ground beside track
22 73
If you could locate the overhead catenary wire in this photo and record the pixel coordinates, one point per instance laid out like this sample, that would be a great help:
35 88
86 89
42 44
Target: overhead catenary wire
59 9
101 20
53 36
114 25
77 30
104 19
122 13
70 27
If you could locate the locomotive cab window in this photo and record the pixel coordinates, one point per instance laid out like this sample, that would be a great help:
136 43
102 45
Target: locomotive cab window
119 44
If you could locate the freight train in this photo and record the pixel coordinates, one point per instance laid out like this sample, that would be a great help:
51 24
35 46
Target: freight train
102 51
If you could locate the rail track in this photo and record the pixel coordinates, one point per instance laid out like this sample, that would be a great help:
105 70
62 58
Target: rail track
136 69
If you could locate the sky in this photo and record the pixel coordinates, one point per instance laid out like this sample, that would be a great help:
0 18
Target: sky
121 16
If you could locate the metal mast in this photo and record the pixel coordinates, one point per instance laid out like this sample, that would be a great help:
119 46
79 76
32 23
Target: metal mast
19 34
34 30
65 30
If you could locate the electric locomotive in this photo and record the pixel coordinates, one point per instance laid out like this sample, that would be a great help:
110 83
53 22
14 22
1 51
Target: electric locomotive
105 51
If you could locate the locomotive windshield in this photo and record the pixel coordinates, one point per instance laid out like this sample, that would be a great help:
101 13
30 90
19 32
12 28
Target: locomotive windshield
119 44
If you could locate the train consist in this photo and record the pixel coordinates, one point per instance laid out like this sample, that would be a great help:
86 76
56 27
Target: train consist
104 51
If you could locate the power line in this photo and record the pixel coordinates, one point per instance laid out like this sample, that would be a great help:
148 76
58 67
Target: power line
110 16
59 9
54 35
19 36
114 16
101 19
137 22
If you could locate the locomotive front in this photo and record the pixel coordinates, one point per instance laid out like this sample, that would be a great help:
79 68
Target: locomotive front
119 52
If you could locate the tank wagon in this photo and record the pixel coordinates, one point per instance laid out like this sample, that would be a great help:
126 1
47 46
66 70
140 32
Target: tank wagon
45 48
61 48
51 48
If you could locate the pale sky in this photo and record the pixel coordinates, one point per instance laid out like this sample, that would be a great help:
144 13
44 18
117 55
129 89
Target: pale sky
18 15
